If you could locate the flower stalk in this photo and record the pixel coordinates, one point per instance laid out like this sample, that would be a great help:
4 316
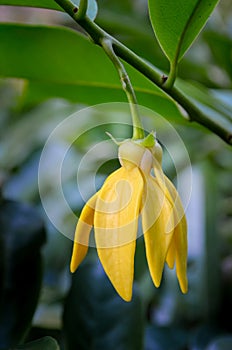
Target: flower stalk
138 132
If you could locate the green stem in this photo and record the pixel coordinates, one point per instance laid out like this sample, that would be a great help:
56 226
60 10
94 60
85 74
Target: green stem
172 76
138 132
97 34
81 13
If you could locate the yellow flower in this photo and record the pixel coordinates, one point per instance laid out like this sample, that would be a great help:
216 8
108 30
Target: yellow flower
114 210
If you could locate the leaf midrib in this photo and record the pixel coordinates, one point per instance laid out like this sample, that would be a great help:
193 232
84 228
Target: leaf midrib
182 37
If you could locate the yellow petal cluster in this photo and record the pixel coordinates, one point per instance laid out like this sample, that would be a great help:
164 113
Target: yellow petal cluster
114 210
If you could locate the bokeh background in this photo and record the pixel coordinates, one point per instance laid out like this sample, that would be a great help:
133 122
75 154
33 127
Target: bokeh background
39 297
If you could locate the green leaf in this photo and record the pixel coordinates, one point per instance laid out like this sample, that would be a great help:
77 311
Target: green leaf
95 317
177 23
37 92
209 102
51 4
33 3
218 101
220 45
46 343
60 62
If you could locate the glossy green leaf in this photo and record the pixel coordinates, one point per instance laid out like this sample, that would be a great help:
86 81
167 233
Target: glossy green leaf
220 46
37 92
51 4
46 343
209 102
60 62
218 101
95 317
32 3
177 23
55 55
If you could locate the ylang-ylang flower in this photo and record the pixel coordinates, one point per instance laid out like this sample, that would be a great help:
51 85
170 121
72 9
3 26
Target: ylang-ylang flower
130 192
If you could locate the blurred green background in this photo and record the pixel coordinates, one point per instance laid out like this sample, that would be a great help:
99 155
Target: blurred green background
39 298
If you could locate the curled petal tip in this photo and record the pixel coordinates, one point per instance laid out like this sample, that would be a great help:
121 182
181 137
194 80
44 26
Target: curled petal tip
184 286
170 264
126 298
123 286
184 291
124 291
157 282
73 266
78 255
75 262
72 269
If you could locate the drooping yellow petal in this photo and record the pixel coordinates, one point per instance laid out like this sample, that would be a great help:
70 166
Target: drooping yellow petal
170 192
81 238
180 237
171 255
115 225
178 253
156 212
178 249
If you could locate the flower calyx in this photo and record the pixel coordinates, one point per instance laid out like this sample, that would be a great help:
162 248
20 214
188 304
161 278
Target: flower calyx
140 153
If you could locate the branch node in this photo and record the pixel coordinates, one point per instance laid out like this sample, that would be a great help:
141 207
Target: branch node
164 78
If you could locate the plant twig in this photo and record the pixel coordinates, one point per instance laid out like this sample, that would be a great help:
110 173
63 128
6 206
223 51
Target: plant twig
220 126
82 10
